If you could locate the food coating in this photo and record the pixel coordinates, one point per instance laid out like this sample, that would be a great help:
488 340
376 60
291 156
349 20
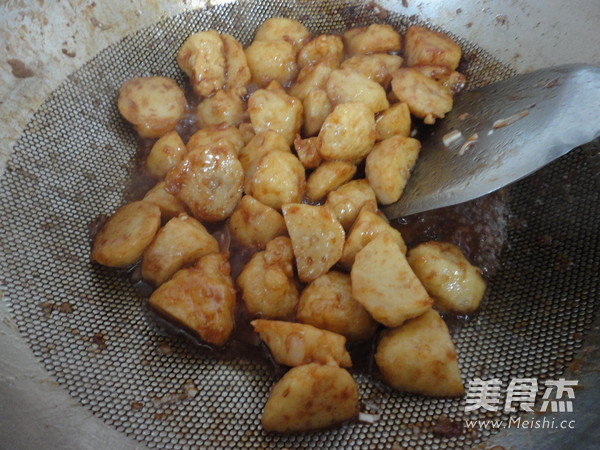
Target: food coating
165 154
452 80
348 133
123 238
273 109
308 151
311 78
327 177
346 85
169 205
317 238
213 61
281 28
237 73
425 97
393 121
347 200
209 182
367 226
247 131
453 282
223 135
267 282
182 241
372 39
276 179
296 344
271 61
202 58
388 166
311 397
153 105
317 107
327 47
427 47
384 283
261 144
327 303
253 223
223 107
201 297
420 357
376 67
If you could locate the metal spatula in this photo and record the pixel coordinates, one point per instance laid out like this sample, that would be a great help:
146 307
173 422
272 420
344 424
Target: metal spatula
500 133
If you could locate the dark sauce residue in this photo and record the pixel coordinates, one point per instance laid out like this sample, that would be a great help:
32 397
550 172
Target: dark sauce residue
477 227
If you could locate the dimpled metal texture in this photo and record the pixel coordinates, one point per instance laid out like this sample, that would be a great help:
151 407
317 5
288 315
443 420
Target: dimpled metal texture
92 331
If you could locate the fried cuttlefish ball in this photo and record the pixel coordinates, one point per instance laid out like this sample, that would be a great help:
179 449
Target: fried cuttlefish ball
223 107
453 282
317 106
238 72
212 62
372 39
271 61
123 238
272 54
384 283
389 165
259 145
311 397
267 281
428 47
324 47
202 58
308 151
452 80
311 78
169 205
327 303
377 67
153 105
296 344
327 177
247 131
367 226
277 178
419 357
283 29
201 298
254 224
348 133
182 241
347 200
272 109
393 121
165 154
209 182
317 238
346 85
222 135
425 97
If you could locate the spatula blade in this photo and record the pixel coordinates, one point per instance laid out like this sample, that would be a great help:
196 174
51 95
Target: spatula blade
516 126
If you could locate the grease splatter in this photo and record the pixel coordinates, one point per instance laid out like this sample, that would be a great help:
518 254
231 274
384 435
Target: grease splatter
19 69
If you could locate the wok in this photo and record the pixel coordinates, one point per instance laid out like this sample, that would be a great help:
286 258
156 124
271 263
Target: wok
85 365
